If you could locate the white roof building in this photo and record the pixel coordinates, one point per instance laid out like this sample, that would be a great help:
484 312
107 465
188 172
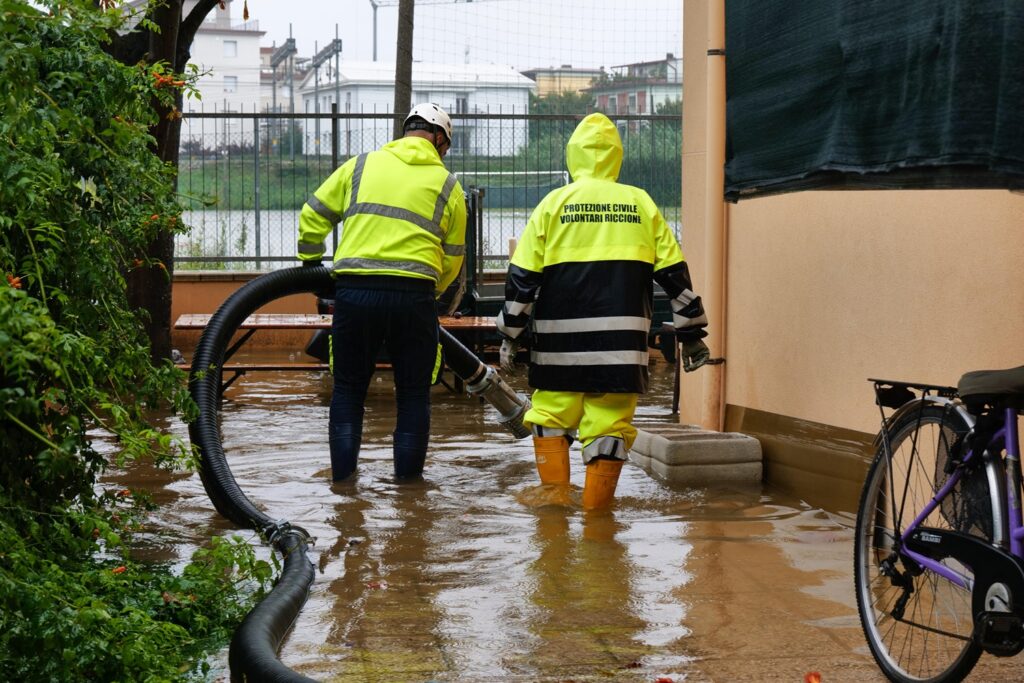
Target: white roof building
463 90
227 51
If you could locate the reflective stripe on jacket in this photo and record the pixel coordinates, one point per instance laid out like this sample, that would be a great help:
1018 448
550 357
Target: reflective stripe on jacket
403 214
582 275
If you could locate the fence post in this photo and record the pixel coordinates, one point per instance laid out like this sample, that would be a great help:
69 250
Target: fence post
256 182
334 159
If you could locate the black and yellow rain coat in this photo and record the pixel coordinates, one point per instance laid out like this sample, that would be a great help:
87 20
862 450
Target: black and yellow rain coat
582 274
404 215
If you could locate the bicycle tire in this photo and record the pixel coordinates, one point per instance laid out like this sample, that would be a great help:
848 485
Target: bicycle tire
911 648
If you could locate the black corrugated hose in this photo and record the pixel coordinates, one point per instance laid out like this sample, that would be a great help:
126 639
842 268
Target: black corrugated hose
253 651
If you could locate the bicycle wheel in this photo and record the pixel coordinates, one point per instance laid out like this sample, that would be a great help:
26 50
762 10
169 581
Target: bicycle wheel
918 624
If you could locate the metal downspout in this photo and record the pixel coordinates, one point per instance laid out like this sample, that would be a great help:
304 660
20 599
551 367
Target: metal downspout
712 410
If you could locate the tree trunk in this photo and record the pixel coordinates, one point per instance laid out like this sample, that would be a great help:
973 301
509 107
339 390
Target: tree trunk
149 288
403 64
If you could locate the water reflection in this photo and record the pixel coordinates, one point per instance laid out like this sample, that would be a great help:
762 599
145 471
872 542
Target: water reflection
386 614
581 577
465 576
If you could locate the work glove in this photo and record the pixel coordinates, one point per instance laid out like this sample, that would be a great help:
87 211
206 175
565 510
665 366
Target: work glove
695 354
507 356
312 263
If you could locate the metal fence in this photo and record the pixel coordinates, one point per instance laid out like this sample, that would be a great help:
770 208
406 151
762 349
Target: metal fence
244 177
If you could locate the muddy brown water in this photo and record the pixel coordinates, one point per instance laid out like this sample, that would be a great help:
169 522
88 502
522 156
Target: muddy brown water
467 576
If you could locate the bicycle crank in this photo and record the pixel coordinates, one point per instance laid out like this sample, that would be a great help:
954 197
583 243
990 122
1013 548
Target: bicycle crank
997 595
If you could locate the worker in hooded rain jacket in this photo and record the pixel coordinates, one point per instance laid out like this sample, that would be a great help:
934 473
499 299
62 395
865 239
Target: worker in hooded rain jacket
581 276
403 230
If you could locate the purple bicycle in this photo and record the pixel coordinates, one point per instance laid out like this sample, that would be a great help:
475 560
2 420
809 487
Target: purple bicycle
939 554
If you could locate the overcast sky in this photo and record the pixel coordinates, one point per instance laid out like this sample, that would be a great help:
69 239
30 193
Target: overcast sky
521 33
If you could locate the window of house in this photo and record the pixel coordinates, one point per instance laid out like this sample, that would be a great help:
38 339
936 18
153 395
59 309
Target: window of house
459 141
461 104
230 83
632 103
611 105
230 48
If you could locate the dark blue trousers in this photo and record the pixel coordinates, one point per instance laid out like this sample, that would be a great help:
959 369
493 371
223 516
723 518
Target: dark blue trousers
395 313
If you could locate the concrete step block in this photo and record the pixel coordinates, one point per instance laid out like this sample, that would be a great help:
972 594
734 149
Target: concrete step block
689 455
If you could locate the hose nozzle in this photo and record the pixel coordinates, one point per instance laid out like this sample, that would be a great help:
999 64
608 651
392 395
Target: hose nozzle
511 405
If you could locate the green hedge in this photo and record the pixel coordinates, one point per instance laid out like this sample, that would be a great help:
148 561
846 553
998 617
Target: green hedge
81 195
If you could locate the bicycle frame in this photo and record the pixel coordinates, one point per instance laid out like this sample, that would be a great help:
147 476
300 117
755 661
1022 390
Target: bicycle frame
1006 437
937 591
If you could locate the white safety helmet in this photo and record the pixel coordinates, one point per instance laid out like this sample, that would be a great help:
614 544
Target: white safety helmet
431 113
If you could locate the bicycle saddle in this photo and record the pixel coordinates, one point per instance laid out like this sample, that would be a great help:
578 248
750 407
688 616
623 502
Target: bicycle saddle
993 386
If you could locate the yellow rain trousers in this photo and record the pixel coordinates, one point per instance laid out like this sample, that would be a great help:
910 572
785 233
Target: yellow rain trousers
602 421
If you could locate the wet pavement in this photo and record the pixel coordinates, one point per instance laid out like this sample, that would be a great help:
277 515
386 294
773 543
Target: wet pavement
468 576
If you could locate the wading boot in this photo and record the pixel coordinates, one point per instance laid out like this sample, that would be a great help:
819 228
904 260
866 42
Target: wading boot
410 453
344 442
552 454
599 486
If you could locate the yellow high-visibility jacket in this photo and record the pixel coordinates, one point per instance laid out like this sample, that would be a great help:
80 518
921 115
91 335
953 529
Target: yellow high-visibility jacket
582 275
403 214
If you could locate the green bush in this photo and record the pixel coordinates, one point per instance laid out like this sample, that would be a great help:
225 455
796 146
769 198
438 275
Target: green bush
116 620
81 195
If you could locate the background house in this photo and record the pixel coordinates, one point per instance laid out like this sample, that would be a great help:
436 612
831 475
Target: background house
463 90
556 80
639 88
227 51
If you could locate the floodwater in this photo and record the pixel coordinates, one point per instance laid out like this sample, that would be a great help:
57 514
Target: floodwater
464 576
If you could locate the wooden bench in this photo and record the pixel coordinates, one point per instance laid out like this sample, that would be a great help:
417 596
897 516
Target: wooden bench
273 367
315 321
460 326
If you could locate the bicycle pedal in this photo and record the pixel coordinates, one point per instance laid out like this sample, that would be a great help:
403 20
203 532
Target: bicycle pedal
999 633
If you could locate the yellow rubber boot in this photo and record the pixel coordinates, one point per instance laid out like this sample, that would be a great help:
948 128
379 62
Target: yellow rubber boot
599 486
552 454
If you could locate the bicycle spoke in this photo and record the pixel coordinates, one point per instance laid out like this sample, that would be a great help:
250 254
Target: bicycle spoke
918 623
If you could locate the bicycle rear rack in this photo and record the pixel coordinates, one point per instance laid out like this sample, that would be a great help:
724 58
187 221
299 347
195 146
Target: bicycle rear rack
898 397
893 394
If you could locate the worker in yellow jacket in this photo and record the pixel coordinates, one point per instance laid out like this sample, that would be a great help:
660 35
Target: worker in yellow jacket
581 276
402 243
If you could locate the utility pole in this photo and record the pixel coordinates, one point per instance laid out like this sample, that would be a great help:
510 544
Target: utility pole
282 54
403 63
337 79
316 101
322 57
374 5
291 98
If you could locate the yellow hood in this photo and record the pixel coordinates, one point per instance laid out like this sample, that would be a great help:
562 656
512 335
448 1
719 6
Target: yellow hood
595 149
414 150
